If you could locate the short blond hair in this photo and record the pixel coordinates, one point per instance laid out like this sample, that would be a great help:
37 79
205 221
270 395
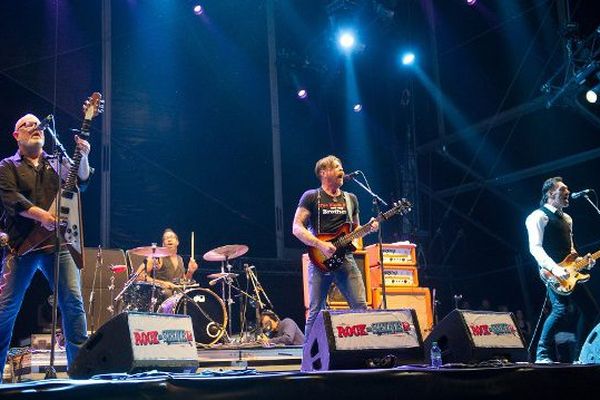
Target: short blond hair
324 163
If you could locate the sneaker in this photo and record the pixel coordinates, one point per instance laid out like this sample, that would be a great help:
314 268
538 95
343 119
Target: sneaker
544 360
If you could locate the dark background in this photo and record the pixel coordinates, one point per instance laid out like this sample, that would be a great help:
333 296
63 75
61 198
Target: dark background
191 126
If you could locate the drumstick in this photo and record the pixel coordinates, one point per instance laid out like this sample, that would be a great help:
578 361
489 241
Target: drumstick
192 245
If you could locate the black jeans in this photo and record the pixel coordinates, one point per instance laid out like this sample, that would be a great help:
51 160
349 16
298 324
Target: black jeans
587 308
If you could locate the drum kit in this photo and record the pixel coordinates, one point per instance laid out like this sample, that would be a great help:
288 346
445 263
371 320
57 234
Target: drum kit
210 313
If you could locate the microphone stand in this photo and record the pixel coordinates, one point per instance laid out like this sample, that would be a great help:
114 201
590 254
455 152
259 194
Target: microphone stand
59 152
594 206
92 302
376 201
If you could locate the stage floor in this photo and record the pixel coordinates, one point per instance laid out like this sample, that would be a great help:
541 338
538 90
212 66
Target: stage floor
503 382
31 365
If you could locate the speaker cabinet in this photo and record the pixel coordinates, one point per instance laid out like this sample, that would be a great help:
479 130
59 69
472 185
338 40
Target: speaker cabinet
351 339
101 313
473 336
335 298
132 342
417 298
590 351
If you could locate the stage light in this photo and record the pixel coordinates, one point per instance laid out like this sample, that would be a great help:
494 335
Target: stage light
471 2
302 94
357 108
198 10
592 95
408 58
347 40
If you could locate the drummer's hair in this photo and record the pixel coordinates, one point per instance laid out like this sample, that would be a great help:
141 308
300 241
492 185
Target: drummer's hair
269 314
169 230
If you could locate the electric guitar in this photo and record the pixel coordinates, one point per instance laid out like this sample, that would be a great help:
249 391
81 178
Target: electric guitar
71 229
342 239
566 286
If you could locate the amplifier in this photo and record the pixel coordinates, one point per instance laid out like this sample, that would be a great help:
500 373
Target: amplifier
395 276
399 253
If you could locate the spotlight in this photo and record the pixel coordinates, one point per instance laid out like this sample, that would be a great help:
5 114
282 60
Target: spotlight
592 95
471 2
198 10
357 108
347 40
408 59
302 94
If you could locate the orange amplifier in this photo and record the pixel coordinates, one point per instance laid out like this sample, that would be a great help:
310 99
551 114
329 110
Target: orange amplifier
395 276
399 253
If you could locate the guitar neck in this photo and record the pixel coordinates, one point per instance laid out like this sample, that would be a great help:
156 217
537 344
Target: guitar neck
583 263
358 233
71 181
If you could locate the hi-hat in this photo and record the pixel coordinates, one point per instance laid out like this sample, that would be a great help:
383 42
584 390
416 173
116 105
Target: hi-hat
222 275
151 251
117 269
226 252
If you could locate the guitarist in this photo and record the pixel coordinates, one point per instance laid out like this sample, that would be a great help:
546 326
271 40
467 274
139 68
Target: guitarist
28 186
550 232
323 211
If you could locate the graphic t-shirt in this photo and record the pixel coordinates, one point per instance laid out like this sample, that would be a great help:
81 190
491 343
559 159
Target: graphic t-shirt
328 214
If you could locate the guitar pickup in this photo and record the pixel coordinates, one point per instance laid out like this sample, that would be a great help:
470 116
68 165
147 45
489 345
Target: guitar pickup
64 210
67 194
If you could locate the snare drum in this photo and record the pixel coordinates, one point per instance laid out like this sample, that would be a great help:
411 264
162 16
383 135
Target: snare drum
138 297
207 310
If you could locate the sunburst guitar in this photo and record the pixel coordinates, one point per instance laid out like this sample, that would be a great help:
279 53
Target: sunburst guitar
574 267
342 239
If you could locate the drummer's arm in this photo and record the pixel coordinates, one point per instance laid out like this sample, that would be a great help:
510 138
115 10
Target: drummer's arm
192 267
141 274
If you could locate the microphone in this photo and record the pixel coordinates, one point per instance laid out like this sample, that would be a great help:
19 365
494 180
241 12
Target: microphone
45 123
351 175
583 192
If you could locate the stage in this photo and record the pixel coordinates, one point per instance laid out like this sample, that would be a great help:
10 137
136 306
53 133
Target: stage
557 381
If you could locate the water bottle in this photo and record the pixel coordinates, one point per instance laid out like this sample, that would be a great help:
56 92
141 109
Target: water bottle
436 356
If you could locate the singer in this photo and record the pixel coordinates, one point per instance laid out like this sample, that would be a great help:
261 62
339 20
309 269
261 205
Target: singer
170 269
550 232
28 186
326 210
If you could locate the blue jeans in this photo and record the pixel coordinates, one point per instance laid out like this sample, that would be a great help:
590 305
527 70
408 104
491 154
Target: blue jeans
587 308
347 278
17 273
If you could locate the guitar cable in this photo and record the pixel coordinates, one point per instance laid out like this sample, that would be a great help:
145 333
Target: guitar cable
537 324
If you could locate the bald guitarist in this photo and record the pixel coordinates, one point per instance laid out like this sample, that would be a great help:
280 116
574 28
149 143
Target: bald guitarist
326 210
28 186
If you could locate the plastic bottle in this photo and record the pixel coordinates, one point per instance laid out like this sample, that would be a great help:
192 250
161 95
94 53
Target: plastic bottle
436 356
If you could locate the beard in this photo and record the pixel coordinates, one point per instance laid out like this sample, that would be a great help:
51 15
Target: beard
31 148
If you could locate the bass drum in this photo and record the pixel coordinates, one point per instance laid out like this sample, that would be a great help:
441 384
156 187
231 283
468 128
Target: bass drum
209 318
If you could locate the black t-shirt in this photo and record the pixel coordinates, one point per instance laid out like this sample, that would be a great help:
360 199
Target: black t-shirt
332 213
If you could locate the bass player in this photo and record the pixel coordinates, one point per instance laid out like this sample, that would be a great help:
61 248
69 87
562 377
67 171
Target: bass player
325 211
550 232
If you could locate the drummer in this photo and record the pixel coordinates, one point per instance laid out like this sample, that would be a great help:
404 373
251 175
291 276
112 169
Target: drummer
170 269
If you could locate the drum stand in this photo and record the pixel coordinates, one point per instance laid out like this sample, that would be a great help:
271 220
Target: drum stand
226 294
258 291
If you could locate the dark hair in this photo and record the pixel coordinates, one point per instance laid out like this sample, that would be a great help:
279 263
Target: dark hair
325 162
270 314
547 186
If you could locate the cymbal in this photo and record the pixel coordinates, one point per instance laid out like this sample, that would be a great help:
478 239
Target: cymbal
222 275
117 269
150 251
226 252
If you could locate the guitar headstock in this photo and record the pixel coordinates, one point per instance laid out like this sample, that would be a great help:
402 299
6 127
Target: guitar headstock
93 106
401 207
